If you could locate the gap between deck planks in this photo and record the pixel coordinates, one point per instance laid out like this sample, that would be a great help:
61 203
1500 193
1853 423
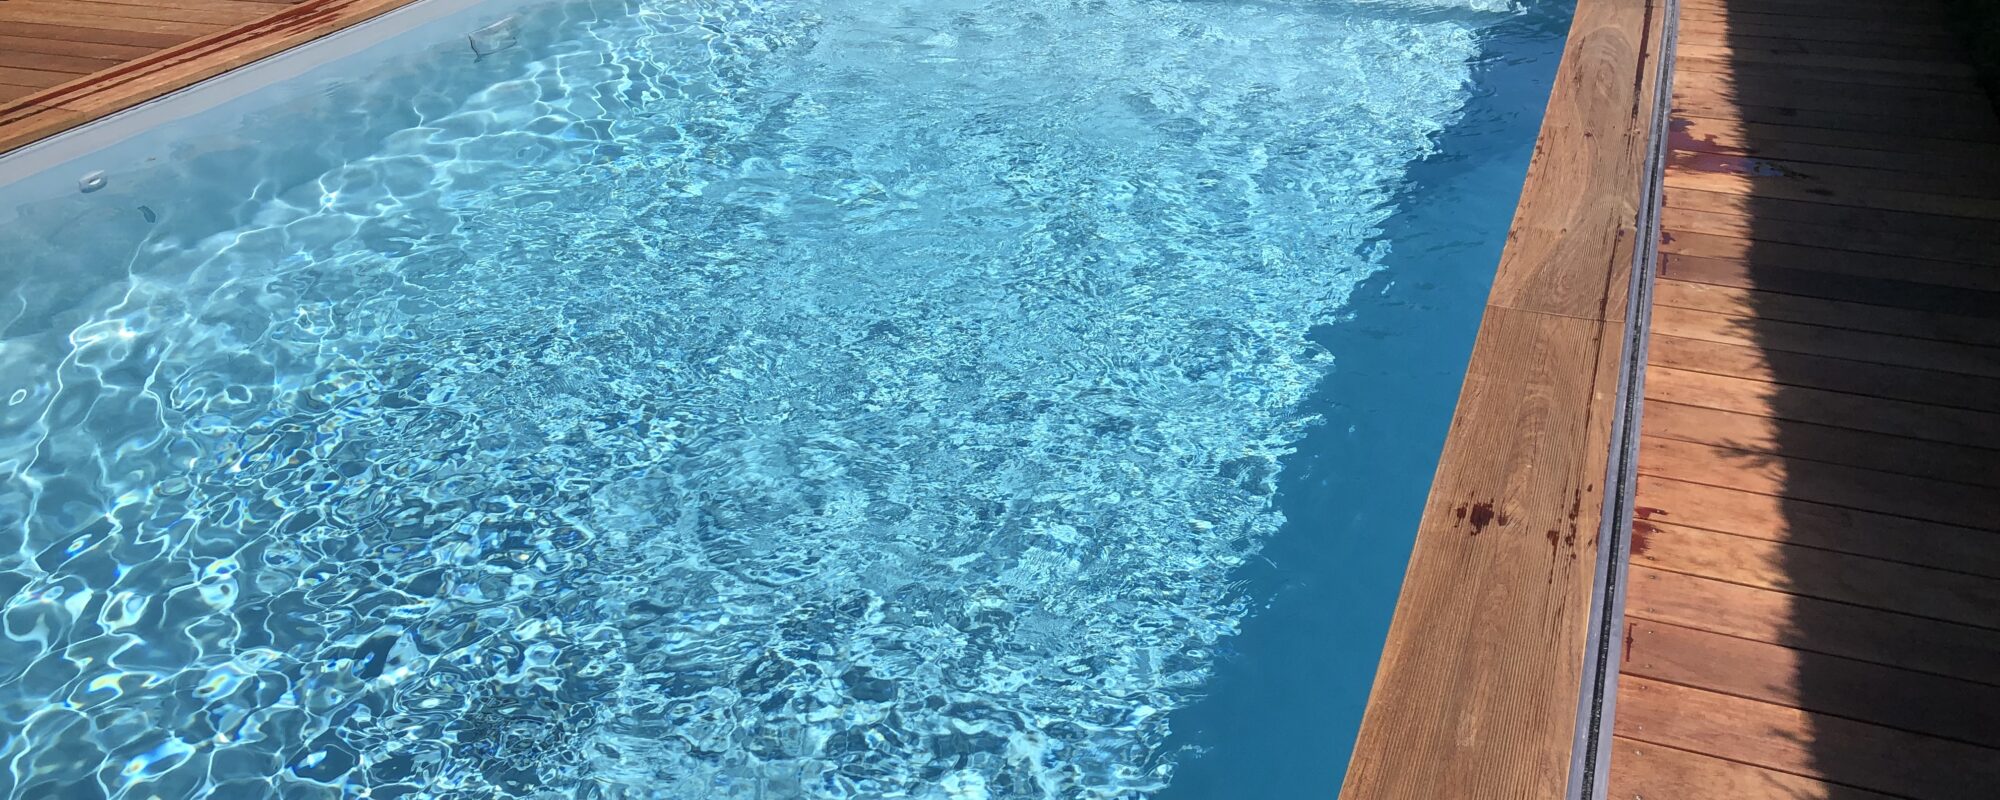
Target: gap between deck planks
140 51
1814 610
1480 679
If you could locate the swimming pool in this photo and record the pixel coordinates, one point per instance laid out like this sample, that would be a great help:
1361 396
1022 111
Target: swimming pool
866 398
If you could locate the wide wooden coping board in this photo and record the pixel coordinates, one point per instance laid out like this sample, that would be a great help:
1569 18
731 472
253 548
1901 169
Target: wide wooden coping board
59 108
1478 691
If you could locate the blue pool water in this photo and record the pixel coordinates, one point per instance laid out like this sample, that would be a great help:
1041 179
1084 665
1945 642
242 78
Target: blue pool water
842 399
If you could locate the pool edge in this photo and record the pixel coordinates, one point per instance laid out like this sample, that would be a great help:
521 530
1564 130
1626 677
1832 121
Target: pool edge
1493 680
75 104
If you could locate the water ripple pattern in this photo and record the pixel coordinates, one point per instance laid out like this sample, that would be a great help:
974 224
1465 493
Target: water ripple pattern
722 399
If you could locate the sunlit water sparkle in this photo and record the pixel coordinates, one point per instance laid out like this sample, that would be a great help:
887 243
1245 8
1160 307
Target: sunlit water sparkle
852 399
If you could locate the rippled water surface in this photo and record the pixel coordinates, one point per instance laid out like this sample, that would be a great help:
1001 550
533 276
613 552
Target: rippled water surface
843 399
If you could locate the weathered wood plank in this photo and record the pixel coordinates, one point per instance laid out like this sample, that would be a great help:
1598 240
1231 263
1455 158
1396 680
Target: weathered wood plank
75 33
1760 434
1678 374
1941 289
1641 770
1812 572
1744 39
1713 68
1845 530
1951 503
1907 151
1838 11
1876 241
1477 690
47 62
1807 623
1708 25
112 54
46 16
1880 317
1896 698
1757 258
1697 101
244 9
1758 180
1791 59
1485 583
1853 345
18 76
1804 743
1966 220
157 12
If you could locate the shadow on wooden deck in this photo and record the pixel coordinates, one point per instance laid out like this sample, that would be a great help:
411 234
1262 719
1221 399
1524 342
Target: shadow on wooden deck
1815 596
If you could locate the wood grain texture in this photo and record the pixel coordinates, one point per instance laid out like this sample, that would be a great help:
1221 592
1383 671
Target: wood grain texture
1478 686
1782 475
162 47
1857 690
1825 574
1834 528
1814 604
1787 739
1647 770
1864 634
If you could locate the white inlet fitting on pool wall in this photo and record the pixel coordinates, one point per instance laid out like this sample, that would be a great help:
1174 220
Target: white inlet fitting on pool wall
495 37
91 181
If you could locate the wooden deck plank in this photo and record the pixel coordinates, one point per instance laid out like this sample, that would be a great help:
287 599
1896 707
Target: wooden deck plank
1775 112
1827 575
75 33
1809 60
19 76
1804 743
1641 770
1845 530
113 54
51 62
1801 182
157 12
1683 383
1888 320
1960 217
1915 154
1948 291
1874 11
1722 68
1951 503
1760 434
1771 41
1760 257
15 11
1479 680
1875 241
1814 625
1713 25
1844 343
1857 690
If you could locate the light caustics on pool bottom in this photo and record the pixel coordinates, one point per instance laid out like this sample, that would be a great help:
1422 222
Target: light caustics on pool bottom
865 399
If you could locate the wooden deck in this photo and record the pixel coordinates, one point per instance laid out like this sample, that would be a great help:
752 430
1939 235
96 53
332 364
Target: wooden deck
1814 606
1478 688
66 62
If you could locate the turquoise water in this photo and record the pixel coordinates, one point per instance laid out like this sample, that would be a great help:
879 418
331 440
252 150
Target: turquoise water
855 399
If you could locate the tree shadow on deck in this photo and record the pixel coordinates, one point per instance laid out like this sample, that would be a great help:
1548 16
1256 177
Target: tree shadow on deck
1826 347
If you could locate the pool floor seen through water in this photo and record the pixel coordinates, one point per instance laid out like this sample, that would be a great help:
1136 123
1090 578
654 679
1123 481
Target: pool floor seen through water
757 399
